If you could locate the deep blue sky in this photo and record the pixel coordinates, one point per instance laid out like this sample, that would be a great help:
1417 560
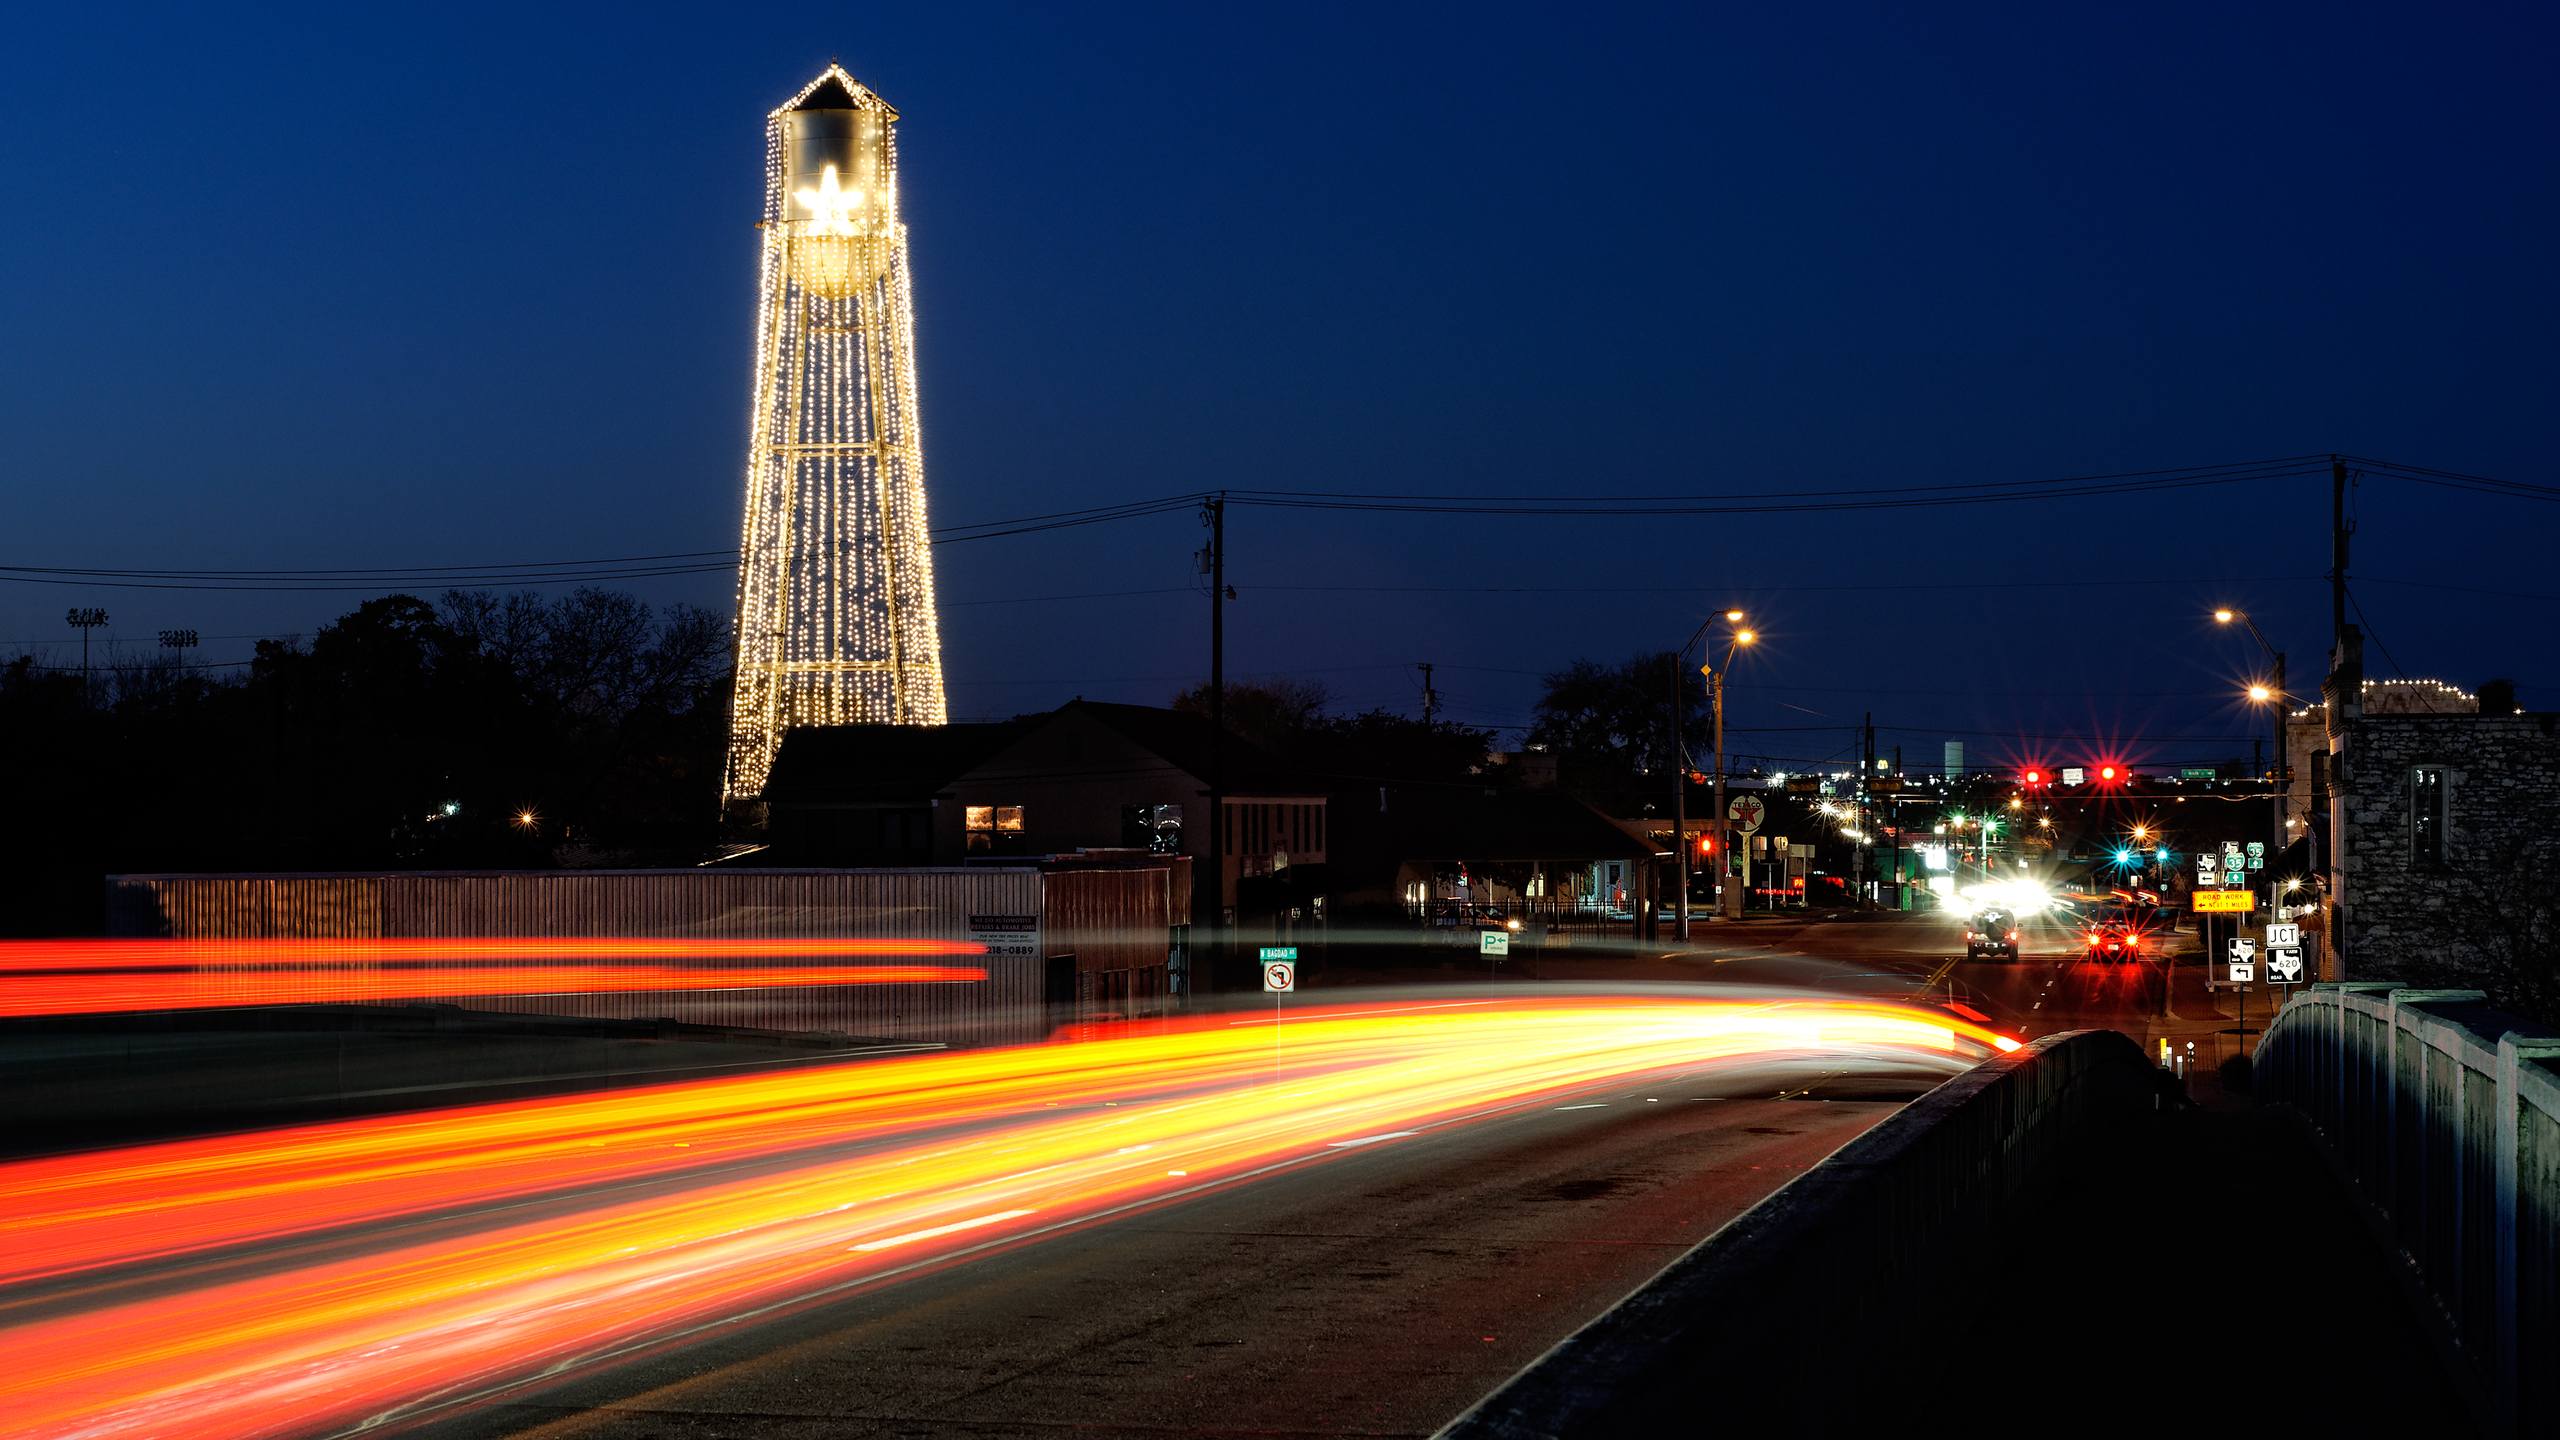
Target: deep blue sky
372 286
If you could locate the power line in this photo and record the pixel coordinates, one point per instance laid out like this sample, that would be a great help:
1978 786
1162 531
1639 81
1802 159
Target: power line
1900 498
1747 587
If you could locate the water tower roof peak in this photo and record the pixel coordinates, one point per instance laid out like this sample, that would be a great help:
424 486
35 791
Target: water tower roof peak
836 89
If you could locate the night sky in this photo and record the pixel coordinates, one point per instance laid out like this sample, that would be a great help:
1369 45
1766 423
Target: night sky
387 286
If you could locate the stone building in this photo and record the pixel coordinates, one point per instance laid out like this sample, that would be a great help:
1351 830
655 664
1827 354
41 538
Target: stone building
2306 733
2446 819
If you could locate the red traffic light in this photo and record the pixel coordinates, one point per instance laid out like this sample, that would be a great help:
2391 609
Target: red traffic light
1706 845
2035 777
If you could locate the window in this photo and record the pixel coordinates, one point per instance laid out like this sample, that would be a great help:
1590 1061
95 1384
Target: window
992 828
2426 815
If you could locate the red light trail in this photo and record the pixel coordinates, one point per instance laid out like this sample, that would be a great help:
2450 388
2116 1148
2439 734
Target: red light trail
313 1279
90 977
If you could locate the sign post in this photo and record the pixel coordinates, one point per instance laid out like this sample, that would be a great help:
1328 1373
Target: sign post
1746 812
1279 976
2244 969
2284 954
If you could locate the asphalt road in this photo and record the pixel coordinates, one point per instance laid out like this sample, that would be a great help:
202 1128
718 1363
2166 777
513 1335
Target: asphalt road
1379 1291
2051 987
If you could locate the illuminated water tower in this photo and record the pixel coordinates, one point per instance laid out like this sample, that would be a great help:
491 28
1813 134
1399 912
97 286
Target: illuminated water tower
836 619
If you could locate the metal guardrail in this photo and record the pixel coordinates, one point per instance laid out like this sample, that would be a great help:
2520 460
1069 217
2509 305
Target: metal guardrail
1821 1291
2445 1113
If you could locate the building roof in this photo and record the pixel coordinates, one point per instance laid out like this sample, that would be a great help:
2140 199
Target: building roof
1474 822
874 764
1182 739
877 764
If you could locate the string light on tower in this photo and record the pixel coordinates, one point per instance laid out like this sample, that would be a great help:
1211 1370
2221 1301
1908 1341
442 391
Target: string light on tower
836 616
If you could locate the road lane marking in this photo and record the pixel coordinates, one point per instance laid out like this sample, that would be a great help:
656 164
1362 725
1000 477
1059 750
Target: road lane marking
1594 1105
1373 1139
938 1231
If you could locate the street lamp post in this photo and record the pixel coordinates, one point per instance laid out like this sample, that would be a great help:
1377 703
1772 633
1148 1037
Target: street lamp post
85 618
1680 765
2274 697
1715 677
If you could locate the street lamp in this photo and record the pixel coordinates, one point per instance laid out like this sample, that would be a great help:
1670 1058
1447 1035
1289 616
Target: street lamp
1715 675
2271 695
1680 778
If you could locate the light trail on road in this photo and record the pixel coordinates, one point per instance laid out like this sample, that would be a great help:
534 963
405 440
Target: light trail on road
315 1279
94 977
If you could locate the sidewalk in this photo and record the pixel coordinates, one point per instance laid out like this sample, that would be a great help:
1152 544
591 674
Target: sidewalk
2206 1267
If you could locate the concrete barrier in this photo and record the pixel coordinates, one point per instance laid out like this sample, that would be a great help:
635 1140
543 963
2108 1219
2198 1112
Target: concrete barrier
1808 1300
2444 1114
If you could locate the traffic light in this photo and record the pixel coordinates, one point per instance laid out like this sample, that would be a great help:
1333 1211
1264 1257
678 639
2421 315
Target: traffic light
2033 779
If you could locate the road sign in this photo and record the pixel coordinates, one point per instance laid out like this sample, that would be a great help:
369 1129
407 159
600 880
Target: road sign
2074 775
2284 964
2284 937
1746 812
2197 772
2242 972
2208 872
1493 942
2243 960
1280 952
2222 902
2233 857
1279 976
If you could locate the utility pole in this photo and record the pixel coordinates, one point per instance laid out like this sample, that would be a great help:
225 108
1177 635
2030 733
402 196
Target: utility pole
2280 788
1893 827
1214 514
1720 823
1866 769
2338 532
1430 697
1679 804
2344 700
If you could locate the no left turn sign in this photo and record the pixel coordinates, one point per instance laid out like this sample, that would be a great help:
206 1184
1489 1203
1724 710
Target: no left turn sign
1279 976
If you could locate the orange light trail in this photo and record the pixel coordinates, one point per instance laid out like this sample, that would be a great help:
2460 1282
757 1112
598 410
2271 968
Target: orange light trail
313 1279
90 977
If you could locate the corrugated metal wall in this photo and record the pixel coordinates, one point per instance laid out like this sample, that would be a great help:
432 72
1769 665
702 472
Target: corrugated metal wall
902 904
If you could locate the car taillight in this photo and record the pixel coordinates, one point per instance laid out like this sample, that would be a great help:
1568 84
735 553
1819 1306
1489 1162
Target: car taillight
2133 942
2093 937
